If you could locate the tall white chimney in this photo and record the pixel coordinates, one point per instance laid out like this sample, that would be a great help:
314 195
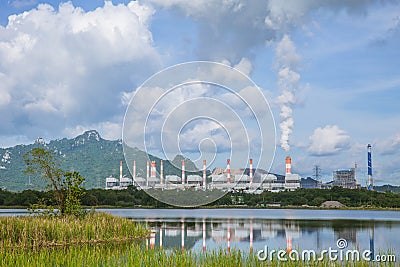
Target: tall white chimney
251 170
183 171
161 172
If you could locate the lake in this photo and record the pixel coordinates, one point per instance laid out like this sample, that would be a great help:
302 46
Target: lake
253 229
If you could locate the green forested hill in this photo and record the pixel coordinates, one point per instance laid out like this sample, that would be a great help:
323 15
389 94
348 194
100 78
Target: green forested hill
94 157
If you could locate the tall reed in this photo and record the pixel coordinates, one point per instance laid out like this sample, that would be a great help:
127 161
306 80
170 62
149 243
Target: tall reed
40 231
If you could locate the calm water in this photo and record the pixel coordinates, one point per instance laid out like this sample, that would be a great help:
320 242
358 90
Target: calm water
253 229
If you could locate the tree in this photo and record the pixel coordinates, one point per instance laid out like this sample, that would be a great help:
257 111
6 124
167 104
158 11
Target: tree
65 185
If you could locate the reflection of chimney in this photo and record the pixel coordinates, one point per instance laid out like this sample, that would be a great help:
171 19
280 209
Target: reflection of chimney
183 235
161 234
153 169
288 244
288 165
251 236
228 170
251 170
134 169
120 172
229 236
161 172
152 239
183 171
204 234
204 174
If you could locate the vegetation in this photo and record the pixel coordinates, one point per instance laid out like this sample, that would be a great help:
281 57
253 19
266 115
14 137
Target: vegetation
33 232
136 255
94 157
138 198
65 185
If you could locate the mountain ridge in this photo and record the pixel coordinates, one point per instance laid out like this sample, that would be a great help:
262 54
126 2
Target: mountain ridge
88 153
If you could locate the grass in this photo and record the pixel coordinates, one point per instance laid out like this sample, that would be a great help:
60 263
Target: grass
32 232
134 254
100 239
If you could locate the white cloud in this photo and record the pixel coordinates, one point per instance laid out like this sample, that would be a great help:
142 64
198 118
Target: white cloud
328 141
389 146
70 67
108 130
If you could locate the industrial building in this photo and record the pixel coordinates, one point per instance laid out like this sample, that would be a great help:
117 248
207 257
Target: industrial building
345 178
227 179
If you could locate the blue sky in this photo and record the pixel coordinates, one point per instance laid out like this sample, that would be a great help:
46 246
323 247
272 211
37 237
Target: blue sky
329 69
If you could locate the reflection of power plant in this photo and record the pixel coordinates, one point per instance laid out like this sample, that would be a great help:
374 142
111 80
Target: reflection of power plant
222 233
200 234
247 179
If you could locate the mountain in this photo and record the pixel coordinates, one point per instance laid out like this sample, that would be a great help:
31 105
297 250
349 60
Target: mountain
92 156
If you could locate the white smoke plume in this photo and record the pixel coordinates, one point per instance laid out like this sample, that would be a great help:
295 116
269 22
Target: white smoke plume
287 61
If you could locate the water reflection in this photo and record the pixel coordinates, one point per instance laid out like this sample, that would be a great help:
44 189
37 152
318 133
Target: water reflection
201 234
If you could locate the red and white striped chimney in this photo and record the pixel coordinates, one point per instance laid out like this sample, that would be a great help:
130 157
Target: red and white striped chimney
134 169
153 169
204 173
251 170
183 171
288 165
161 172
228 170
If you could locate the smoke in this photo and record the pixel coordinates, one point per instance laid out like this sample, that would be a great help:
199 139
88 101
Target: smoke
287 61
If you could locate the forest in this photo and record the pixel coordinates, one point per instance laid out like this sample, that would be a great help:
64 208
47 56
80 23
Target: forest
131 198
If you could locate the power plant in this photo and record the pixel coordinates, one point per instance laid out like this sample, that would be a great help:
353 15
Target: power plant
226 179
230 179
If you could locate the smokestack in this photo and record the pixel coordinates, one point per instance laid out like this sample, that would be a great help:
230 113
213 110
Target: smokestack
161 172
288 165
183 171
251 170
147 173
228 170
153 169
370 185
134 169
120 171
204 173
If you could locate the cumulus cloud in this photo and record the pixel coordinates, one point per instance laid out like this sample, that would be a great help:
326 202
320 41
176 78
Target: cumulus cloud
390 146
328 141
236 27
67 67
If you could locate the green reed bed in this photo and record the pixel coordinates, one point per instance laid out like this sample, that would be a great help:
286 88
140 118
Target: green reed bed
134 254
44 231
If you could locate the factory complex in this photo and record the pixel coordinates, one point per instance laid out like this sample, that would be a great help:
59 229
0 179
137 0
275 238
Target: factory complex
226 179
234 179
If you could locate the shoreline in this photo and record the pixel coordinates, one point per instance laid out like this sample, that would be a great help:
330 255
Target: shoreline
219 207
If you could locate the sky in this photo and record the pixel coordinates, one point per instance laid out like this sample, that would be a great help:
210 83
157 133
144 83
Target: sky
329 70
